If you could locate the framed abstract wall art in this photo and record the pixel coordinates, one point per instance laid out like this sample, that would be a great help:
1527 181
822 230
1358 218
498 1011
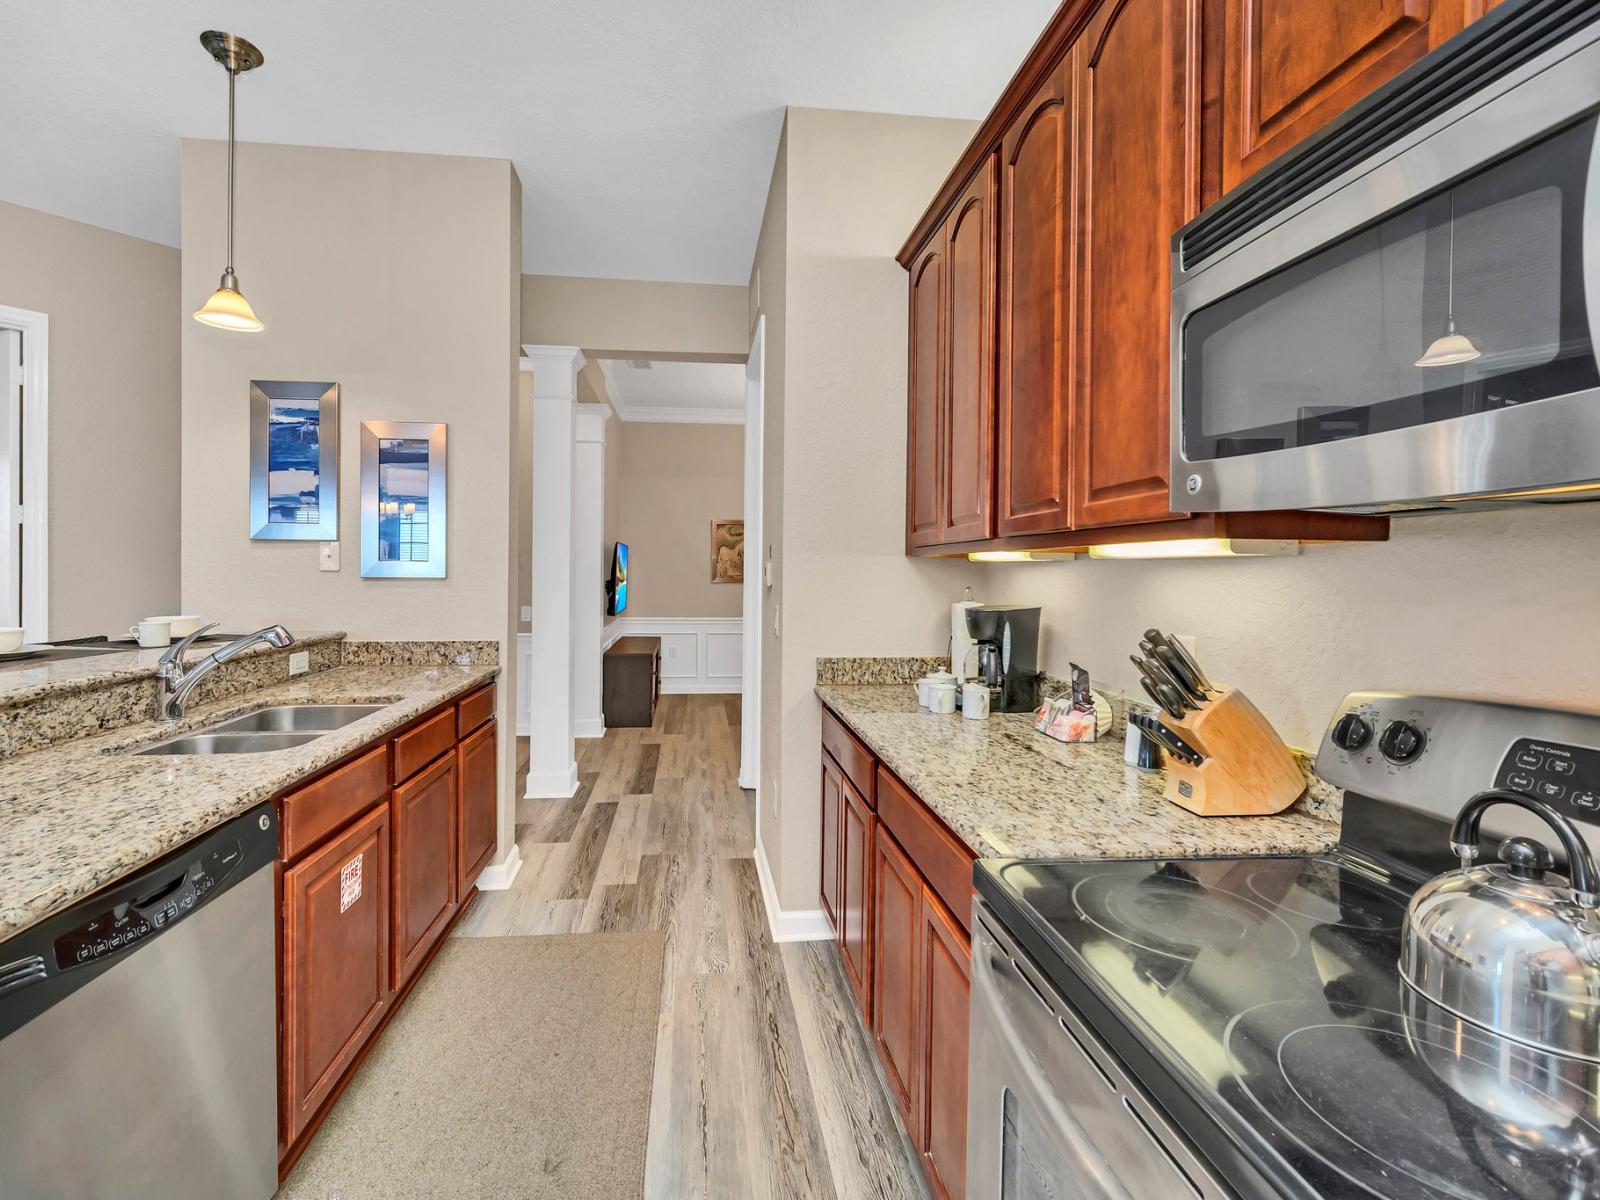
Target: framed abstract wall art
727 551
402 499
294 461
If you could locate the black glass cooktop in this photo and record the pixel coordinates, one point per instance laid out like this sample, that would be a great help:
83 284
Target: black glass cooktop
1267 991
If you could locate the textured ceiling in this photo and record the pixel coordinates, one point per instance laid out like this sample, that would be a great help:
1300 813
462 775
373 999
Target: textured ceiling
643 131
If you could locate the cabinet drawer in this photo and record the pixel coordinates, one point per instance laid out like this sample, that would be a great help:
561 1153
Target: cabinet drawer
943 858
854 759
418 747
475 710
319 808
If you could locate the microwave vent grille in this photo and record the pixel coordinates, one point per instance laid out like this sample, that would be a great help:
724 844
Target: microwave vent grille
1490 50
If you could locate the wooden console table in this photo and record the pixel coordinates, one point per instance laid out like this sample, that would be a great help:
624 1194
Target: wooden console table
631 682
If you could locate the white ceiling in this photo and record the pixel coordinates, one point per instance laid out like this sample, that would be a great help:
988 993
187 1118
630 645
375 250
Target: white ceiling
643 131
694 392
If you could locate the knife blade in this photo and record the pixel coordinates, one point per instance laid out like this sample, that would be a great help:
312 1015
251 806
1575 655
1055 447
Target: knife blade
1157 638
1160 673
1150 690
1175 699
1190 685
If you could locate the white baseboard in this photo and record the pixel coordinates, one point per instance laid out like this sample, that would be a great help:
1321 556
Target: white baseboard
497 877
552 785
698 687
796 925
589 727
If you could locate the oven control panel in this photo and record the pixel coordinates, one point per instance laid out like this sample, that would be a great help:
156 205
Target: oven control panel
1565 777
1433 753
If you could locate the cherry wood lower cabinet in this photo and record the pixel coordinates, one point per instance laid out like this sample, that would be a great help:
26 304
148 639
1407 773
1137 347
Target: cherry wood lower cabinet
894 873
424 863
378 858
336 981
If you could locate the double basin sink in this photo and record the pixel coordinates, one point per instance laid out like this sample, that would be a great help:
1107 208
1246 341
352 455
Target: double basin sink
279 728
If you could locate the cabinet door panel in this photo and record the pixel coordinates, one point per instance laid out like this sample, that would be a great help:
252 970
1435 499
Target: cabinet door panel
1292 65
478 832
1136 188
897 906
945 998
336 980
969 405
1037 295
832 803
855 894
924 438
424 863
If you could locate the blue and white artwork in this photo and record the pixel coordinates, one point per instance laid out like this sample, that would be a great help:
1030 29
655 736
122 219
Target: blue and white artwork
294 460
403 499
403 494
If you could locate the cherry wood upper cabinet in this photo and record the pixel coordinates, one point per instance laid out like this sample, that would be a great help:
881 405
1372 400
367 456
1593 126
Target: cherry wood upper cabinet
1036 305
857 823
945 982
1290 66
968 511
1138 182
924 474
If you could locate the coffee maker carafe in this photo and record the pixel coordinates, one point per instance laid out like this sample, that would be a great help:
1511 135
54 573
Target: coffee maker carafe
1008 655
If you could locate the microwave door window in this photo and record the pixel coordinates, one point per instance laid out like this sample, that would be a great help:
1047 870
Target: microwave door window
1467 301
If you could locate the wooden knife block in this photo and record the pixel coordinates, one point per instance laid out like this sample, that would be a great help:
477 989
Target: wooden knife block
1247 771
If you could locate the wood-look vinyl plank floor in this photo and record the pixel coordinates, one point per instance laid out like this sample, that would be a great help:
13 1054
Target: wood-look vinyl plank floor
765 1083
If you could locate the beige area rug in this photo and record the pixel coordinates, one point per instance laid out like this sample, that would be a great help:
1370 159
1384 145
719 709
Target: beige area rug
519 1067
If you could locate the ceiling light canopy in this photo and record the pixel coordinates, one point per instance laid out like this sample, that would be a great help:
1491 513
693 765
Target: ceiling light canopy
227 308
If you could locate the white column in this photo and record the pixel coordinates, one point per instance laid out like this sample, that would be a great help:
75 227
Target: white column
588 568
552 768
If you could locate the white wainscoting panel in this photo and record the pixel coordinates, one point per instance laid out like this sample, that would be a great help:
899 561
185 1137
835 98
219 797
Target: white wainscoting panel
698 654
524 684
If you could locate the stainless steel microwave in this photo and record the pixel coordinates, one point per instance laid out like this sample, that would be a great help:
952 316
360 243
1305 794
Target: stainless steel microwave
1403 315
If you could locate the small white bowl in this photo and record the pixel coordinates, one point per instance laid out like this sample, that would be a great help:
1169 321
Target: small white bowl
10 639
182 626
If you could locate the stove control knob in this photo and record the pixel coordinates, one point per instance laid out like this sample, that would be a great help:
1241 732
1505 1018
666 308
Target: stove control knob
1351 732
1402 742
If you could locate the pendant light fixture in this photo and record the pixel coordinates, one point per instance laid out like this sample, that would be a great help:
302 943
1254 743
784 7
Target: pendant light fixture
1450 348
227 308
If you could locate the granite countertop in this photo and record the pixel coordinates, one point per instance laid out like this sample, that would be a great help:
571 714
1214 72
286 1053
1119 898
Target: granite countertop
24 681
78 816
1011 792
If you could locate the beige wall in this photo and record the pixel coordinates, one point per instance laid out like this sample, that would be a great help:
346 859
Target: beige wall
673 481
114 313
397 276
1488 604
623 318
855 183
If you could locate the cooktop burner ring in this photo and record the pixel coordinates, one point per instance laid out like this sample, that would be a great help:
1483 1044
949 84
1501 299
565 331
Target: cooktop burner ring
1206 901
1348 882
1388 1028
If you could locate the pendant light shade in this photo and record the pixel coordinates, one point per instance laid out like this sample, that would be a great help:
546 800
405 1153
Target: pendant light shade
227 308
1450 347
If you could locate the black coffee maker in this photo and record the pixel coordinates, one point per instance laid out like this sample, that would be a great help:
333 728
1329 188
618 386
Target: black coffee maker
1008 655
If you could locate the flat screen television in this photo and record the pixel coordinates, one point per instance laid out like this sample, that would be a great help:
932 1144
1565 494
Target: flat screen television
617 584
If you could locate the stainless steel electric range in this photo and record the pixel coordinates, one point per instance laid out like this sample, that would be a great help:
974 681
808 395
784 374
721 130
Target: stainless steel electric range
1238 1027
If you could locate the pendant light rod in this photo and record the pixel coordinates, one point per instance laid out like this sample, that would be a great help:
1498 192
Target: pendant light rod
1450 277
233 78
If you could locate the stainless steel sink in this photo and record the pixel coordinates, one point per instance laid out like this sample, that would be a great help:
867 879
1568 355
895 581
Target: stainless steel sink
230 743
298 718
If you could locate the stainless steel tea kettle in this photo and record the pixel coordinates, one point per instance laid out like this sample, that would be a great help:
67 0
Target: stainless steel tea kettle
1512 946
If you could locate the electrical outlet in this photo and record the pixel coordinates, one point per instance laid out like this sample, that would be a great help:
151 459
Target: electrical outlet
328 556
672 653
299 662
527 614
1188 642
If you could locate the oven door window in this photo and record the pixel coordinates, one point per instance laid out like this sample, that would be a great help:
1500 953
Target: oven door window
1466 302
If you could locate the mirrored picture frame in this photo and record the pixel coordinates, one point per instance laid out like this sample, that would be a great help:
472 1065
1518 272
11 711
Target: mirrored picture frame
294 461
403 523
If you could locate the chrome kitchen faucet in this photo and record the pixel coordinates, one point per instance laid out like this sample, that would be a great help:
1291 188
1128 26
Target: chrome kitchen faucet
174 684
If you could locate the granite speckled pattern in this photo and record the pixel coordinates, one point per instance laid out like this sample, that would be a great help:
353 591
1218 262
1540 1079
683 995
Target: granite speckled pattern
1012 793
847 671
398 654
78 816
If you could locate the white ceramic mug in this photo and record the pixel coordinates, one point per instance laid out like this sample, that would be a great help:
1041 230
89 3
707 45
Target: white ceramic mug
975 701
10 639
944 697
179 626
152 633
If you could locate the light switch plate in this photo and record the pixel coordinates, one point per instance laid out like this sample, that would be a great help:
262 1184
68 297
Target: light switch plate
527 614
327 556
299 662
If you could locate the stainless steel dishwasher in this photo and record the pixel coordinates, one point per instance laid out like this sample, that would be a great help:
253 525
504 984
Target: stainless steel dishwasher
138 1032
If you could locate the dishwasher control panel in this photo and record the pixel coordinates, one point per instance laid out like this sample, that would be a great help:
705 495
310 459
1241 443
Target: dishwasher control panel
165 901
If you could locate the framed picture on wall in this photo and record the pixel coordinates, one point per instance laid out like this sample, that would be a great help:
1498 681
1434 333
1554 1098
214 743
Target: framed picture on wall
402 499
294 461
727 551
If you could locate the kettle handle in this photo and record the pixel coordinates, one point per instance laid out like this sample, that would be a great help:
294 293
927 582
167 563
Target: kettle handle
1581 872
